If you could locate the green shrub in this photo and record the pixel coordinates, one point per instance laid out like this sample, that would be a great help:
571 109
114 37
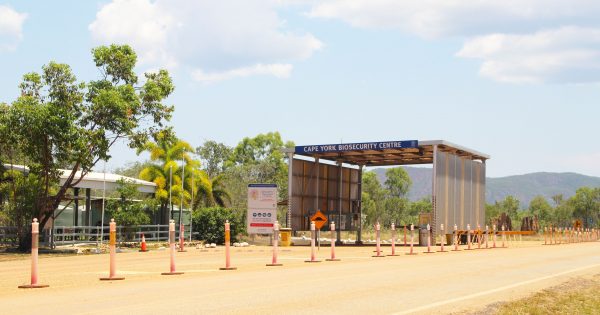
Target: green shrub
210 224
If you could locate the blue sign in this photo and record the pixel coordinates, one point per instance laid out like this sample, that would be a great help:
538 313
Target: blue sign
365 146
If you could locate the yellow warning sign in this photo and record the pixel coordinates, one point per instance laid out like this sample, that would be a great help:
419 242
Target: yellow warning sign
319 218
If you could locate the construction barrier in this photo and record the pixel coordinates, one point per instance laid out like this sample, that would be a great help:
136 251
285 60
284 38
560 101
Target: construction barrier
35 238
143 247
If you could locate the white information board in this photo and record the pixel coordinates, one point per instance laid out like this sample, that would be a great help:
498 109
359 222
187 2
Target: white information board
262 208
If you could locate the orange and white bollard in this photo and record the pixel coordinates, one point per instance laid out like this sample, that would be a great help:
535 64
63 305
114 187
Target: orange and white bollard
112 243
412 228
443 240
429 251
274 262
378 240
479 236
503 238
172 269
487 236
455 239
332 228
545 236
493 236
393 228
143 247
35 239
469 237
405 244
227 248
313 258
181 238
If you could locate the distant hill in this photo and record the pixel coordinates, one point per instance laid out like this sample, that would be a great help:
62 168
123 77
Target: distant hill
523 187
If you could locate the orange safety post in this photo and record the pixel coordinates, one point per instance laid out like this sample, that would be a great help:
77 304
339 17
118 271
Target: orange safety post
412 228
35 233
493 236
332 228
545 236
443 240
172 269
227 248
112 243
455 238
181 238
503 237
378 240
469 237
429 251
274 262
313 258
393 228
479 236
487 236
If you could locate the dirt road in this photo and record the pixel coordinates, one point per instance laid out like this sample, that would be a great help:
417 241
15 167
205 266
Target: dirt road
359 284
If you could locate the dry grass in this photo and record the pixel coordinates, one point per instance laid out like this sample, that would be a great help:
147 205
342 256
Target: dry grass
577 296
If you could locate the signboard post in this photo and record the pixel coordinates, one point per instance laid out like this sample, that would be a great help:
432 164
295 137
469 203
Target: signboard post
262 208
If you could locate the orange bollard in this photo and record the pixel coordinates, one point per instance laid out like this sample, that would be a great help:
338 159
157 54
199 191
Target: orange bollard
487 236
274 262
378 240
227 245
112 248
332 228
35 232
455 239
493 236
143 246
478 236
412 227
181 238
503 238
469 237
172 270
545 236
393 228
405 244
313 258
443 240
429 251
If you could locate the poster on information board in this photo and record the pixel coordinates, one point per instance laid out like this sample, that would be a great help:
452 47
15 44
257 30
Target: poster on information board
262 208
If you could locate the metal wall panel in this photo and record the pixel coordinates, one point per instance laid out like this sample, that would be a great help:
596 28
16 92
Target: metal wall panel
304 193
460 191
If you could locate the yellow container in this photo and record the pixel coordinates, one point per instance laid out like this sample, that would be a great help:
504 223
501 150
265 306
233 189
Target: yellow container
285 235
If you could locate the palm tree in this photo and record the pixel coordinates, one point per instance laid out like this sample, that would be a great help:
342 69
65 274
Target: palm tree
166 154
212 191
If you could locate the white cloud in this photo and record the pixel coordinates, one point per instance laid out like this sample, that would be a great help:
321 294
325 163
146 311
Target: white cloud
225 39
276 70
517 40
11 28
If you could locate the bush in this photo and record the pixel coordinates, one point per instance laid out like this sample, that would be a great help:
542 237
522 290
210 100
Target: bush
210 224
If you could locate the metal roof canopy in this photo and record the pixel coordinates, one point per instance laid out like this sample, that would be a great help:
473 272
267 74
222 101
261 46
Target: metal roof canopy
388 153
372 155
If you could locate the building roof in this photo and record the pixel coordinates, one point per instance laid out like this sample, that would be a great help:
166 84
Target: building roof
373 154
97 180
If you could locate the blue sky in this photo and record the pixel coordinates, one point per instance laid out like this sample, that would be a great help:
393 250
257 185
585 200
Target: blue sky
515 79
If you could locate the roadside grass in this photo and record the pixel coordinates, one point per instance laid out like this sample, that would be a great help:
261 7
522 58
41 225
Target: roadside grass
577 296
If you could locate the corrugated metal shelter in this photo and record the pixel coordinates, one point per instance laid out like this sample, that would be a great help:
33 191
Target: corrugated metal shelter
328 178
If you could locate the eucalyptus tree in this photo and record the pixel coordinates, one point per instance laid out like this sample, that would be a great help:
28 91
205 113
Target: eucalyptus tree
61 122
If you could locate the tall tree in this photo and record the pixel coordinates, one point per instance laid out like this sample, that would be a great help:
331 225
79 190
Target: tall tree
540 207
586 205
66 123
397 181
166 155
214 156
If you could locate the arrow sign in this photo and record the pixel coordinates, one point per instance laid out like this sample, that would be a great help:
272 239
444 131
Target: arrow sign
319 218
